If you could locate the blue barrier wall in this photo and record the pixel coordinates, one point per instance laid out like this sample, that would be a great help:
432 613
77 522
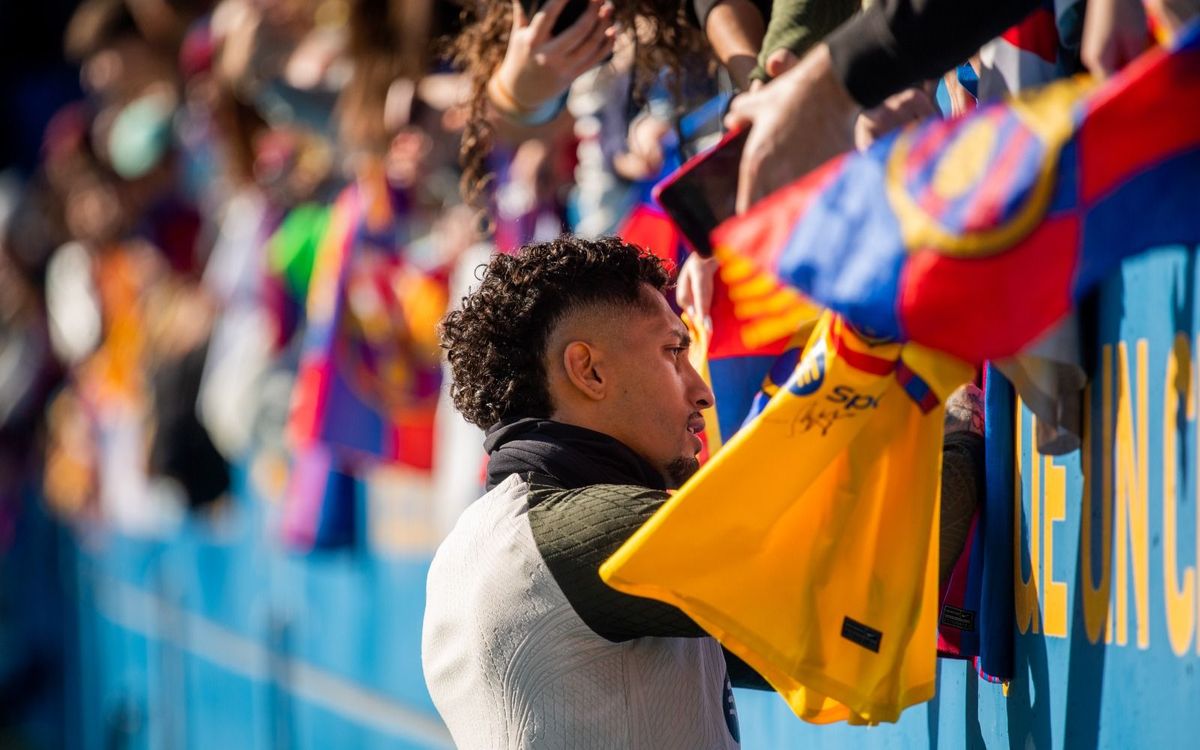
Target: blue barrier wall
222 640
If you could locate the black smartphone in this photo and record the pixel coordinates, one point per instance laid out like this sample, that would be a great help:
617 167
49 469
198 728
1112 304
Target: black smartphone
571 13
703 192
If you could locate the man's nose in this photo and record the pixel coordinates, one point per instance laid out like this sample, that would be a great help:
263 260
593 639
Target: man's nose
700 393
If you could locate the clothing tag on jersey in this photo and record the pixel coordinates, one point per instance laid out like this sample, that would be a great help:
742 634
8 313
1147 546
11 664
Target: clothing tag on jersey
963 619
863 635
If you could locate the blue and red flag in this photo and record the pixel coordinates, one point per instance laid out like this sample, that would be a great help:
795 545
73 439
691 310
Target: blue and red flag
975 235
369 373
759 329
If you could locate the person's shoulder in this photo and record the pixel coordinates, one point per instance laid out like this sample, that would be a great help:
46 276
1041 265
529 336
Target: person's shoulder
598 516
508 500
543 496
514 490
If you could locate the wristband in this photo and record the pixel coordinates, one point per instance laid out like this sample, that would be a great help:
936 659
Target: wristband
506 104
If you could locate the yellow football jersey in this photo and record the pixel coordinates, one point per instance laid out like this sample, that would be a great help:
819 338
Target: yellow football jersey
808 546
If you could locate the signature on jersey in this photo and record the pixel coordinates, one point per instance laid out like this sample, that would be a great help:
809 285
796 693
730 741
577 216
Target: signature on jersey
841 403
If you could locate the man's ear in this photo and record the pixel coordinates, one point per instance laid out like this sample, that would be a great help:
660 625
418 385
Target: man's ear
582 363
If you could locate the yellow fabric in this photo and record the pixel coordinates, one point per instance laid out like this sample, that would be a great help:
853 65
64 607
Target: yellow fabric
806 519
698 356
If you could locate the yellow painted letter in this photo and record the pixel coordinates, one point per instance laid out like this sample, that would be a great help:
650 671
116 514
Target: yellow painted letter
1180 599
1054 592
1025 589
1131 510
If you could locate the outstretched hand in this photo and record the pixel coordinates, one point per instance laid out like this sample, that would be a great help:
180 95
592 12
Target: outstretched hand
908 106
539 66
797 122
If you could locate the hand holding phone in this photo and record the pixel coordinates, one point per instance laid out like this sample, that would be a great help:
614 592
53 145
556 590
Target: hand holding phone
540 62
703 192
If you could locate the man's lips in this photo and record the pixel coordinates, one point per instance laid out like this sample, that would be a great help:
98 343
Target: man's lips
695 424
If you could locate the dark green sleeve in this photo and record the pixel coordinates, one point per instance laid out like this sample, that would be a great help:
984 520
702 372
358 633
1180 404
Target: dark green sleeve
797 25
576 531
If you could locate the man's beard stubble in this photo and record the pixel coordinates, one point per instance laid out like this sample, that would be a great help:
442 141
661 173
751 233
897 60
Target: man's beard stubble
680 470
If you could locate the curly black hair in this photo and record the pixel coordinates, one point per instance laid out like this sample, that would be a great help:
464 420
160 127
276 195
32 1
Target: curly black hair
496 341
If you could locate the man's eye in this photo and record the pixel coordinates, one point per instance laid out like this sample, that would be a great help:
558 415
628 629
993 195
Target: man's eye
677 350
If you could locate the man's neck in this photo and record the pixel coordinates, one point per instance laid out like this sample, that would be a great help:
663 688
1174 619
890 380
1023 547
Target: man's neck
574 455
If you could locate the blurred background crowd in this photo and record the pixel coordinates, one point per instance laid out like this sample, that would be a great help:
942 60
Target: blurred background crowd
163 227
229 228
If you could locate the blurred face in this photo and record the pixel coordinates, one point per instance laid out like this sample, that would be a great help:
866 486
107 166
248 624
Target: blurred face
657 396
122 70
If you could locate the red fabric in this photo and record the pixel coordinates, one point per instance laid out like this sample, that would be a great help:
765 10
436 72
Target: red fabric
1036 34
1129 128
765 239
649 228
955 594
943 312
861 360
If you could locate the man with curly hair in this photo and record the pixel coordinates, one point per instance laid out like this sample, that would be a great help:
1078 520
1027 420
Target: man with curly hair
570 358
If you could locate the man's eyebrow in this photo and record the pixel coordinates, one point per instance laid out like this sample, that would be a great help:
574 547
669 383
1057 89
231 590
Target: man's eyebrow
685 338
